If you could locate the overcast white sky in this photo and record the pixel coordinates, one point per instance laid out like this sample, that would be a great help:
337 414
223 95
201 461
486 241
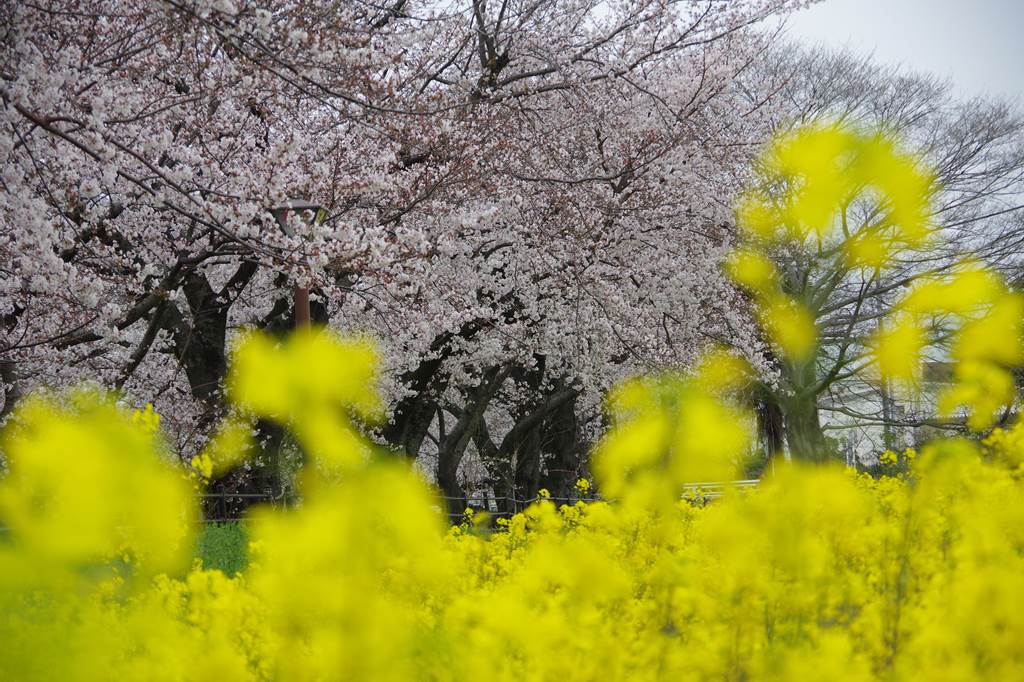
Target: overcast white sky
977 43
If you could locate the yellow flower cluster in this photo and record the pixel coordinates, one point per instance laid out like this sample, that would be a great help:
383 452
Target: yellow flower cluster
1006 446
891 458
814 170
807 182
672 430
85 483
985 319
147 418
818 574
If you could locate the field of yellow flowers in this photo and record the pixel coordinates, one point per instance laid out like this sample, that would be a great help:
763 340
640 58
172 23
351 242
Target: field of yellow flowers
818 574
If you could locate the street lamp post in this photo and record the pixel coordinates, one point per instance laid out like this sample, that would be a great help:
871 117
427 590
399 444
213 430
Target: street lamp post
313 214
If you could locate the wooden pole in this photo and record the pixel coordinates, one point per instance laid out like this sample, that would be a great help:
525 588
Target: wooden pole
301 307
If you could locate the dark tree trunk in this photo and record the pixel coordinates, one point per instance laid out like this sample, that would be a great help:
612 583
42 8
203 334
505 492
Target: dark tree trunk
200 344
202 351
561 440
453 446
523 444
770 426
9 382
804 434
527 458
499 469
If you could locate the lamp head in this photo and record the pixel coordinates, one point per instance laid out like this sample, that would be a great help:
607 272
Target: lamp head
313 213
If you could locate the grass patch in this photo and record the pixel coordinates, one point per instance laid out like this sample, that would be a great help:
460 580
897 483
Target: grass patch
223 546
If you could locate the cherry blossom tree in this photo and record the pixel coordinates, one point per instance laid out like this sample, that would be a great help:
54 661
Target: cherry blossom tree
525 201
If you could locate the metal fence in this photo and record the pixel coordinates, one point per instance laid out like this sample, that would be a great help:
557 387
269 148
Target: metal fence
225 507
503 506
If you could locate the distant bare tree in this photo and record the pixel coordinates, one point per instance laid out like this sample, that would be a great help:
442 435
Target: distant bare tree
975 148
